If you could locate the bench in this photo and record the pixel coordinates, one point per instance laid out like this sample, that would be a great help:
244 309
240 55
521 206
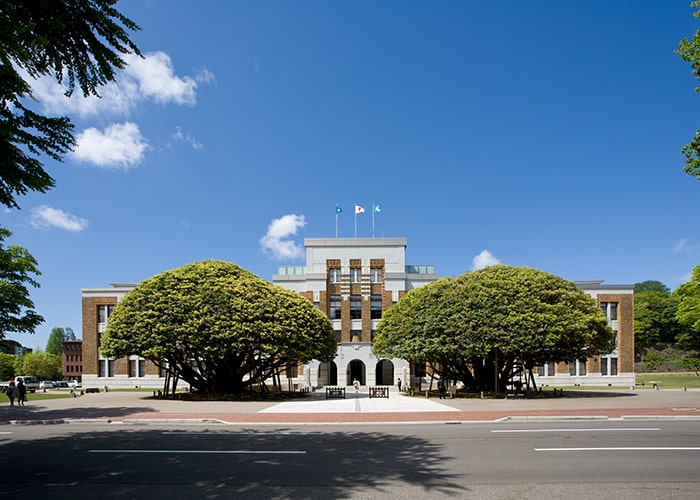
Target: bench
515 395
335 392
379 392
92 390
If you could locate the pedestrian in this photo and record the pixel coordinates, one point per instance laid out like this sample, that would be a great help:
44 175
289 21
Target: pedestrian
22 389
398 384
441 389
12 393
356 385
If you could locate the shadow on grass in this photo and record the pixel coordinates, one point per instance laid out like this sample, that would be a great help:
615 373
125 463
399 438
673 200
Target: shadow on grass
274 463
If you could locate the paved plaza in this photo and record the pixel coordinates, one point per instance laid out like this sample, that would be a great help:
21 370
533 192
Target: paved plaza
142 407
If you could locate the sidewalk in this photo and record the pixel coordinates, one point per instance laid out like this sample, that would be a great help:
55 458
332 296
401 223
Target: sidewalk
140 407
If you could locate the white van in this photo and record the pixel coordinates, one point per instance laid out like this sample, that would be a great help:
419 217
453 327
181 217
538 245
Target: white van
31 382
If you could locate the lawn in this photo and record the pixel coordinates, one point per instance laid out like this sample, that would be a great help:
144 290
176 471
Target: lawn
668 380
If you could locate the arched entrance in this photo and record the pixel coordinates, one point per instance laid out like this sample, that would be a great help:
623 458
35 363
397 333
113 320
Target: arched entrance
328 373
356 371
385 372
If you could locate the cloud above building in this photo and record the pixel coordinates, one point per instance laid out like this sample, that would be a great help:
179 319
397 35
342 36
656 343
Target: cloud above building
277 239
121 145
484 259
46 217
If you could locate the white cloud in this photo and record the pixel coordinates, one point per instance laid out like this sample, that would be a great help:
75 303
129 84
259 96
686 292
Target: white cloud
484 259
278 231
120 146
187 138
151 77
156 79
683 246
46 217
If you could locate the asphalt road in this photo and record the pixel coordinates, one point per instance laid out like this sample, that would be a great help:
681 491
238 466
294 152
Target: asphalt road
582 459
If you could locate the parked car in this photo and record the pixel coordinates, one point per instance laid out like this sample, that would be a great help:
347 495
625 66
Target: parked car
74 384
59 383
30 381
45 384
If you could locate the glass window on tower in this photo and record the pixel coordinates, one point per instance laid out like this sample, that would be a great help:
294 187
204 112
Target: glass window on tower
355 307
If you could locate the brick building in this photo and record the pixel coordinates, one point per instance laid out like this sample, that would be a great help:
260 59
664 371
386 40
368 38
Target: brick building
353 281
72 359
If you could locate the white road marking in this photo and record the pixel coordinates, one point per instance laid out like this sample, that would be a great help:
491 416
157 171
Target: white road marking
208 452
636 429
627 448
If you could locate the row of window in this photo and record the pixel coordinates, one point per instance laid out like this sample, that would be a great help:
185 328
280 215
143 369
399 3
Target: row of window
375 275
608 366
334 307
73 357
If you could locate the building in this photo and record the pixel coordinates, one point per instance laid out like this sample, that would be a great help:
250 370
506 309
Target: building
353 281
615 368
98 370
72 359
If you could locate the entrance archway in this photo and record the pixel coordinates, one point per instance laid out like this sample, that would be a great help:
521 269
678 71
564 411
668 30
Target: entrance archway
385 372
328 373
356 371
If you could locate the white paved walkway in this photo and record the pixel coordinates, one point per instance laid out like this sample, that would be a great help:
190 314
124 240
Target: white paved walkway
360 403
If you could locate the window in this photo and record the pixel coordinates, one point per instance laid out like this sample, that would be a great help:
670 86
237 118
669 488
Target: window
356 335
334 275
104 312
375 275
142 367
546 370
610 310
577 368
355 274
608 366
376 306
334 309
355 307
292 369
132 368
337 336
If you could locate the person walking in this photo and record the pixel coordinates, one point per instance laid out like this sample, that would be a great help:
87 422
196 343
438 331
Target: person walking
441 389
12 393
398 384
22 389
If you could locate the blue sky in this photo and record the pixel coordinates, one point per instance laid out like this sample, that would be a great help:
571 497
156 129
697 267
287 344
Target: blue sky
543 134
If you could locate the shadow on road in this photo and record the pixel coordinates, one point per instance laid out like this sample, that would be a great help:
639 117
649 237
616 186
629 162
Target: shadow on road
274 463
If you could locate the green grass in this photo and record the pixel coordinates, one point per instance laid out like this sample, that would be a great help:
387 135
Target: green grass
38 396
668 380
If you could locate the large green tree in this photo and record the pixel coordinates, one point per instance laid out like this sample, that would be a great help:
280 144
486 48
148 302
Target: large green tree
78 43
217 326
41 364
688 295
17 271
655 318
689 51
56 339
8 366
478 326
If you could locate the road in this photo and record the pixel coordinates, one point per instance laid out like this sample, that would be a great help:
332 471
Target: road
581 459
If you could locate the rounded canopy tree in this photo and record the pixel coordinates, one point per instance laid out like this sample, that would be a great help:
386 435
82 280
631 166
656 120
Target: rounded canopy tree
217 326
481 326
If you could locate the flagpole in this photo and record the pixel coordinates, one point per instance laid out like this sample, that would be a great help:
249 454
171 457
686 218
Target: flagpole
372 220
355 223
336 223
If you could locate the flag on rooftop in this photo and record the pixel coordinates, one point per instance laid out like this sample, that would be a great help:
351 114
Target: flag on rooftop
376 209
359 209
338 210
